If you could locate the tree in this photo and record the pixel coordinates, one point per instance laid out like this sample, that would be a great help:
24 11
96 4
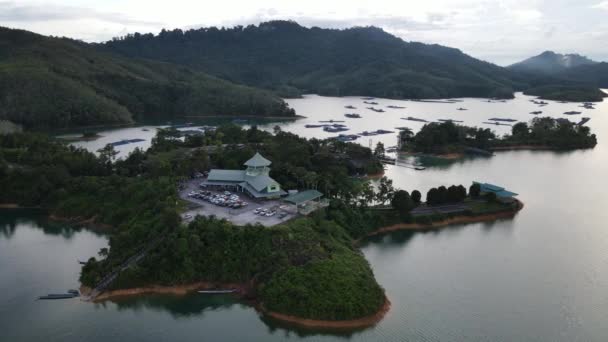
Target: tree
385 190
402 201
474 190
416 196
490 196
432 197
520 130
107 154
379 150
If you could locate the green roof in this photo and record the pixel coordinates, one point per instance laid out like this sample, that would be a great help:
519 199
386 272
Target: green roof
259 182
226 175
303 196
258 161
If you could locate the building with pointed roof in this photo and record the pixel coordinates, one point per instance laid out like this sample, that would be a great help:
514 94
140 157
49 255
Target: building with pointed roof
254 180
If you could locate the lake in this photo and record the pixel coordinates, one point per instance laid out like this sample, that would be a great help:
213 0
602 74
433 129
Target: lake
541 276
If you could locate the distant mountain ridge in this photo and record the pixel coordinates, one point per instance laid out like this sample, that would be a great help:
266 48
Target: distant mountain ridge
291 59
50 82
550 62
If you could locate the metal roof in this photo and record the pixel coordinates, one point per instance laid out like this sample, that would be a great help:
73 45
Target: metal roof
258 161
260 182
226 175
303 196
498 190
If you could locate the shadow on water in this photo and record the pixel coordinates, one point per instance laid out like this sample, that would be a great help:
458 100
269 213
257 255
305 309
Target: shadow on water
11 219
401 238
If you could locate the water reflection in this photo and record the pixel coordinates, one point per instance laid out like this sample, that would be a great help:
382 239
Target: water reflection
11 219
178 306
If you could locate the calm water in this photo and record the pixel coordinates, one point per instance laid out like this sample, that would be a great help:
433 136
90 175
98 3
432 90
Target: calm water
542 276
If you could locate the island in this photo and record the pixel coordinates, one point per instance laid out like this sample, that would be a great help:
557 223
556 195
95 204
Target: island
306 270
450 140
570 93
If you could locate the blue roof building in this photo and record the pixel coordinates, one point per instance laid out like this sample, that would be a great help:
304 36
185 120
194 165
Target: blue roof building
501 193
254 180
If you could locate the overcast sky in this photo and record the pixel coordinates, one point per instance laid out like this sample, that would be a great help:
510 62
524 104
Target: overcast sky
502 31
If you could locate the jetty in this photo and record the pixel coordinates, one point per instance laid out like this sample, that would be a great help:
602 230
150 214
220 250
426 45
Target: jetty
583 121
397 162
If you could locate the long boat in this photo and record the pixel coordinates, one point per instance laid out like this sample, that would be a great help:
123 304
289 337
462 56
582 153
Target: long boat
217 291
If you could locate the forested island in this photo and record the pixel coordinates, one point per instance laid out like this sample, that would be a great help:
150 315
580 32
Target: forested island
448 138
308 268
48 82
570 93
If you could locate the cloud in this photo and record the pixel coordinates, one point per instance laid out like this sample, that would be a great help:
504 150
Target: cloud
11 11
602 5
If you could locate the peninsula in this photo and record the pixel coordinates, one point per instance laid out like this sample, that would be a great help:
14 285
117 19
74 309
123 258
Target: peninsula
306 270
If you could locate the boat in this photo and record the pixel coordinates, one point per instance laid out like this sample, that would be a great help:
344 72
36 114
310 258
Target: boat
313 126
347 137
502 119
334 129
368 98
332 121
572 112
69 294
395 107
371 103
376 109
217 291
411 118
449 120
352 115
350 107
125 142
376 132
461 108
536 112
145 129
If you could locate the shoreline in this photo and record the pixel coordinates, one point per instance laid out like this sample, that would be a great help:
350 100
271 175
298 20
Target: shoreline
363 322
242 291
178 290
461 219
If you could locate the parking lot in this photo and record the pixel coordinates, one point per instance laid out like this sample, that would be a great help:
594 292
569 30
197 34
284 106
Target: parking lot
235 207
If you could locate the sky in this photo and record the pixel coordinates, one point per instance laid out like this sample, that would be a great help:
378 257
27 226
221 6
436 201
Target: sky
500 31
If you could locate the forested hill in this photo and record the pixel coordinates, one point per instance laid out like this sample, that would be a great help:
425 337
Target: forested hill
551 63
53 82
291 59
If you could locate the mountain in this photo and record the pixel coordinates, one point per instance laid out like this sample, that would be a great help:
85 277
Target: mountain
291 60
593 74
551 63
57 83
